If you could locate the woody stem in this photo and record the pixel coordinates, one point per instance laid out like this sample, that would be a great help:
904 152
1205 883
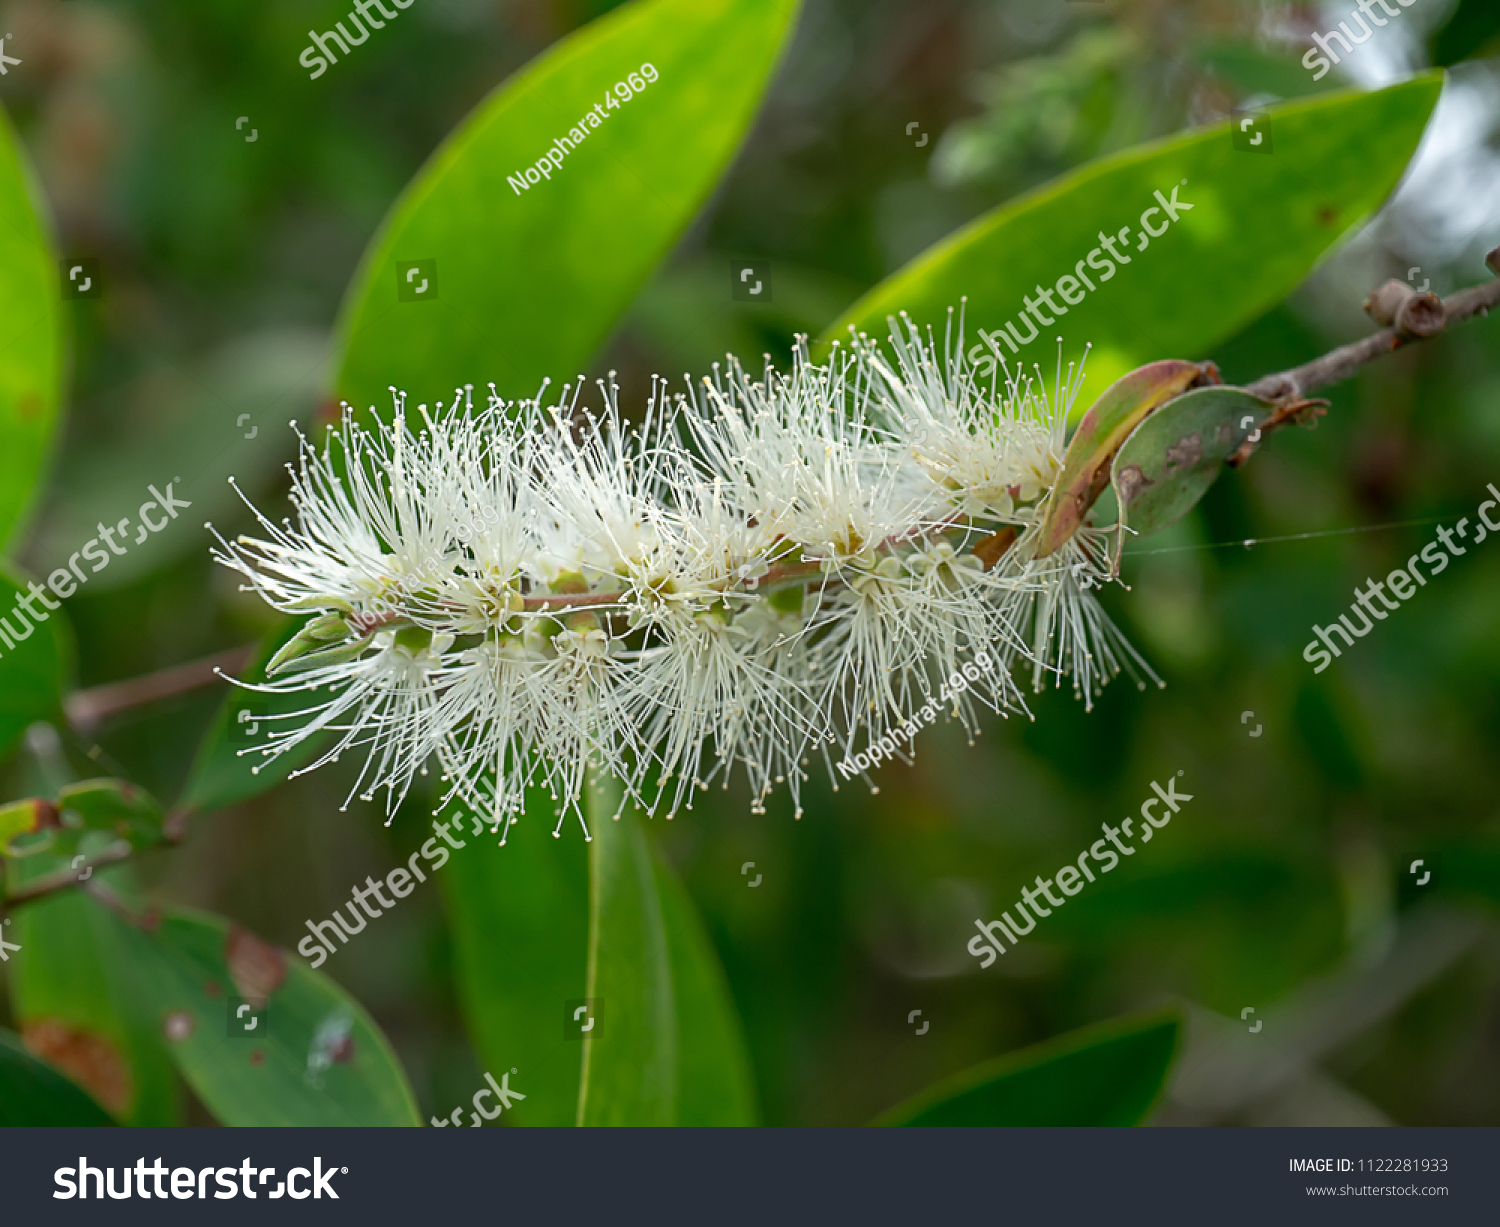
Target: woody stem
1341 363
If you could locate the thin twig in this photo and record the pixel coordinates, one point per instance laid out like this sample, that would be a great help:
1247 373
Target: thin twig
86 708
65 878
1341 363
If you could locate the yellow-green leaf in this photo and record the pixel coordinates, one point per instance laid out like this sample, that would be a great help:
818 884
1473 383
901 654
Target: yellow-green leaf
31 339
1257 226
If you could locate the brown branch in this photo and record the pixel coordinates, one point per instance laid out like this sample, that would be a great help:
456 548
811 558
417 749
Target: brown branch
562 602
1413 316
1341 363
85 709
65 878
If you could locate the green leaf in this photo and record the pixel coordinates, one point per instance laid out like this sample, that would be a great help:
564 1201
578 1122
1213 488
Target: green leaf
303 1053
1109 1074
31 344
229 767
32 673
529 282
1107 424
715 1083
530 285
116 807
33 1093
27 826
519 916
630 1061
87 817
1172 457
1335 158
76 993
666 1048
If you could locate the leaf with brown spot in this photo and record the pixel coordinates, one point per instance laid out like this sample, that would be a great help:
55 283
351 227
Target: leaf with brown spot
33 1093
1174 455
77 977
1187 450
86 1057
1129 480
256 968
1118 411
26 826
283 1076
83 812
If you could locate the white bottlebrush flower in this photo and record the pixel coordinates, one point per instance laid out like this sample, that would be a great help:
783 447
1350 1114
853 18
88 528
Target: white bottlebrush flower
993 448
990 448
760 570
799 458
1071 635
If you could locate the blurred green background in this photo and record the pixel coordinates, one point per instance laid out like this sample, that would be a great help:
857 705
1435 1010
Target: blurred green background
1282 887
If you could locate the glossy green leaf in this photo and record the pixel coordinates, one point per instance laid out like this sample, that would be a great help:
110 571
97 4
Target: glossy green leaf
1109 1074
1107 424
261 1038
529 280
1334 159
229 766
519 916
1172 457
32 672
666 1047
76 995
33 1093
31 342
